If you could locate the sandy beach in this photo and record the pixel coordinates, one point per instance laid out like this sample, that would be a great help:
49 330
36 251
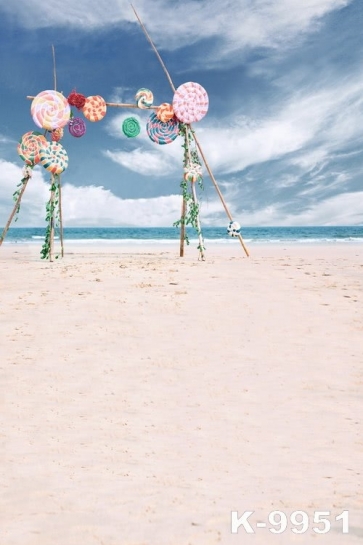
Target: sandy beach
144 397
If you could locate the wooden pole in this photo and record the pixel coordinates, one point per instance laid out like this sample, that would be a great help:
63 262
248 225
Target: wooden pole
56 179
60 216
201 242
54 69
51 235
194 193
116 104
182 227
16 206
155 50
218 190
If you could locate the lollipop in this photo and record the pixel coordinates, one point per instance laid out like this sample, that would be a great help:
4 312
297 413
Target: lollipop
190 102
144 98
131 127
29 147
54 157
76 99
50 110
162 133
234 229
165 112
94 108
57 135
77 127
192 173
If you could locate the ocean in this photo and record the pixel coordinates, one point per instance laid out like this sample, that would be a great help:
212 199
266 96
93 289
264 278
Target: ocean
212 235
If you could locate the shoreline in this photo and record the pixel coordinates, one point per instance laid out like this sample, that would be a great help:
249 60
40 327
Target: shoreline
171 248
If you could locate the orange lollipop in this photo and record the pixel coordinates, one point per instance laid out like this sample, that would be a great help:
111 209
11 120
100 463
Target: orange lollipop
94 108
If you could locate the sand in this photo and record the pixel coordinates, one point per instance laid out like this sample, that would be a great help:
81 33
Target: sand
144 397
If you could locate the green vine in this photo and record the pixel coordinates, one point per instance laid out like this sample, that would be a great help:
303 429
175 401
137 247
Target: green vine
52 218
191 216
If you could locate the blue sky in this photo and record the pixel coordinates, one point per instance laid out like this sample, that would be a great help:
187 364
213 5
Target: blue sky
284 130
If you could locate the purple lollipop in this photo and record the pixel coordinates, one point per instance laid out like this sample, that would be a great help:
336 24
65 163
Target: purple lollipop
77 127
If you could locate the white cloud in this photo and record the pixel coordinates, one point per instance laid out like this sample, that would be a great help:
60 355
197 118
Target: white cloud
239 24
97 206
146 163
86 205
341 209
318 123
33 202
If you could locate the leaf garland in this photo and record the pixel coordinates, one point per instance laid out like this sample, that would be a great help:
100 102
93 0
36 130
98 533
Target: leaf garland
192 207
52 217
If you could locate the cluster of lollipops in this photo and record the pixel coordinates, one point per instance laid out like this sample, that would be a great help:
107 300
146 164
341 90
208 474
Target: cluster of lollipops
52 112
190 104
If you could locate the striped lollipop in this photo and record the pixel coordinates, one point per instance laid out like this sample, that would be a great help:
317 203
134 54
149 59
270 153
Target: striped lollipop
77 127
144 98
162 133
29 147
131 127
50 110
190 102
54 157
165 112
94 108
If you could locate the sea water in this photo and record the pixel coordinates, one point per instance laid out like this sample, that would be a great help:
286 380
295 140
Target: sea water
213 235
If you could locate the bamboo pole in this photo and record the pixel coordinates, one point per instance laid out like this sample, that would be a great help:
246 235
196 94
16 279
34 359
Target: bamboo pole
218 190
116 104
200 238
155 50
60 216
194 194
16 206
182 227
51 235
195 138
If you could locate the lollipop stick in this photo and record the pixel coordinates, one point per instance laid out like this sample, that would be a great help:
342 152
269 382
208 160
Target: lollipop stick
194 195
54 69
51 238
182 227
201 243
16 206
60 216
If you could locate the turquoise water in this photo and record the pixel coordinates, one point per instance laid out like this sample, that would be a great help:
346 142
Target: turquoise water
165 235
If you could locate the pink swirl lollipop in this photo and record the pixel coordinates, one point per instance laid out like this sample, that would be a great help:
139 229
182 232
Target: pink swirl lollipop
29 147
190 102
54 157
94 108
77 127
50 110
